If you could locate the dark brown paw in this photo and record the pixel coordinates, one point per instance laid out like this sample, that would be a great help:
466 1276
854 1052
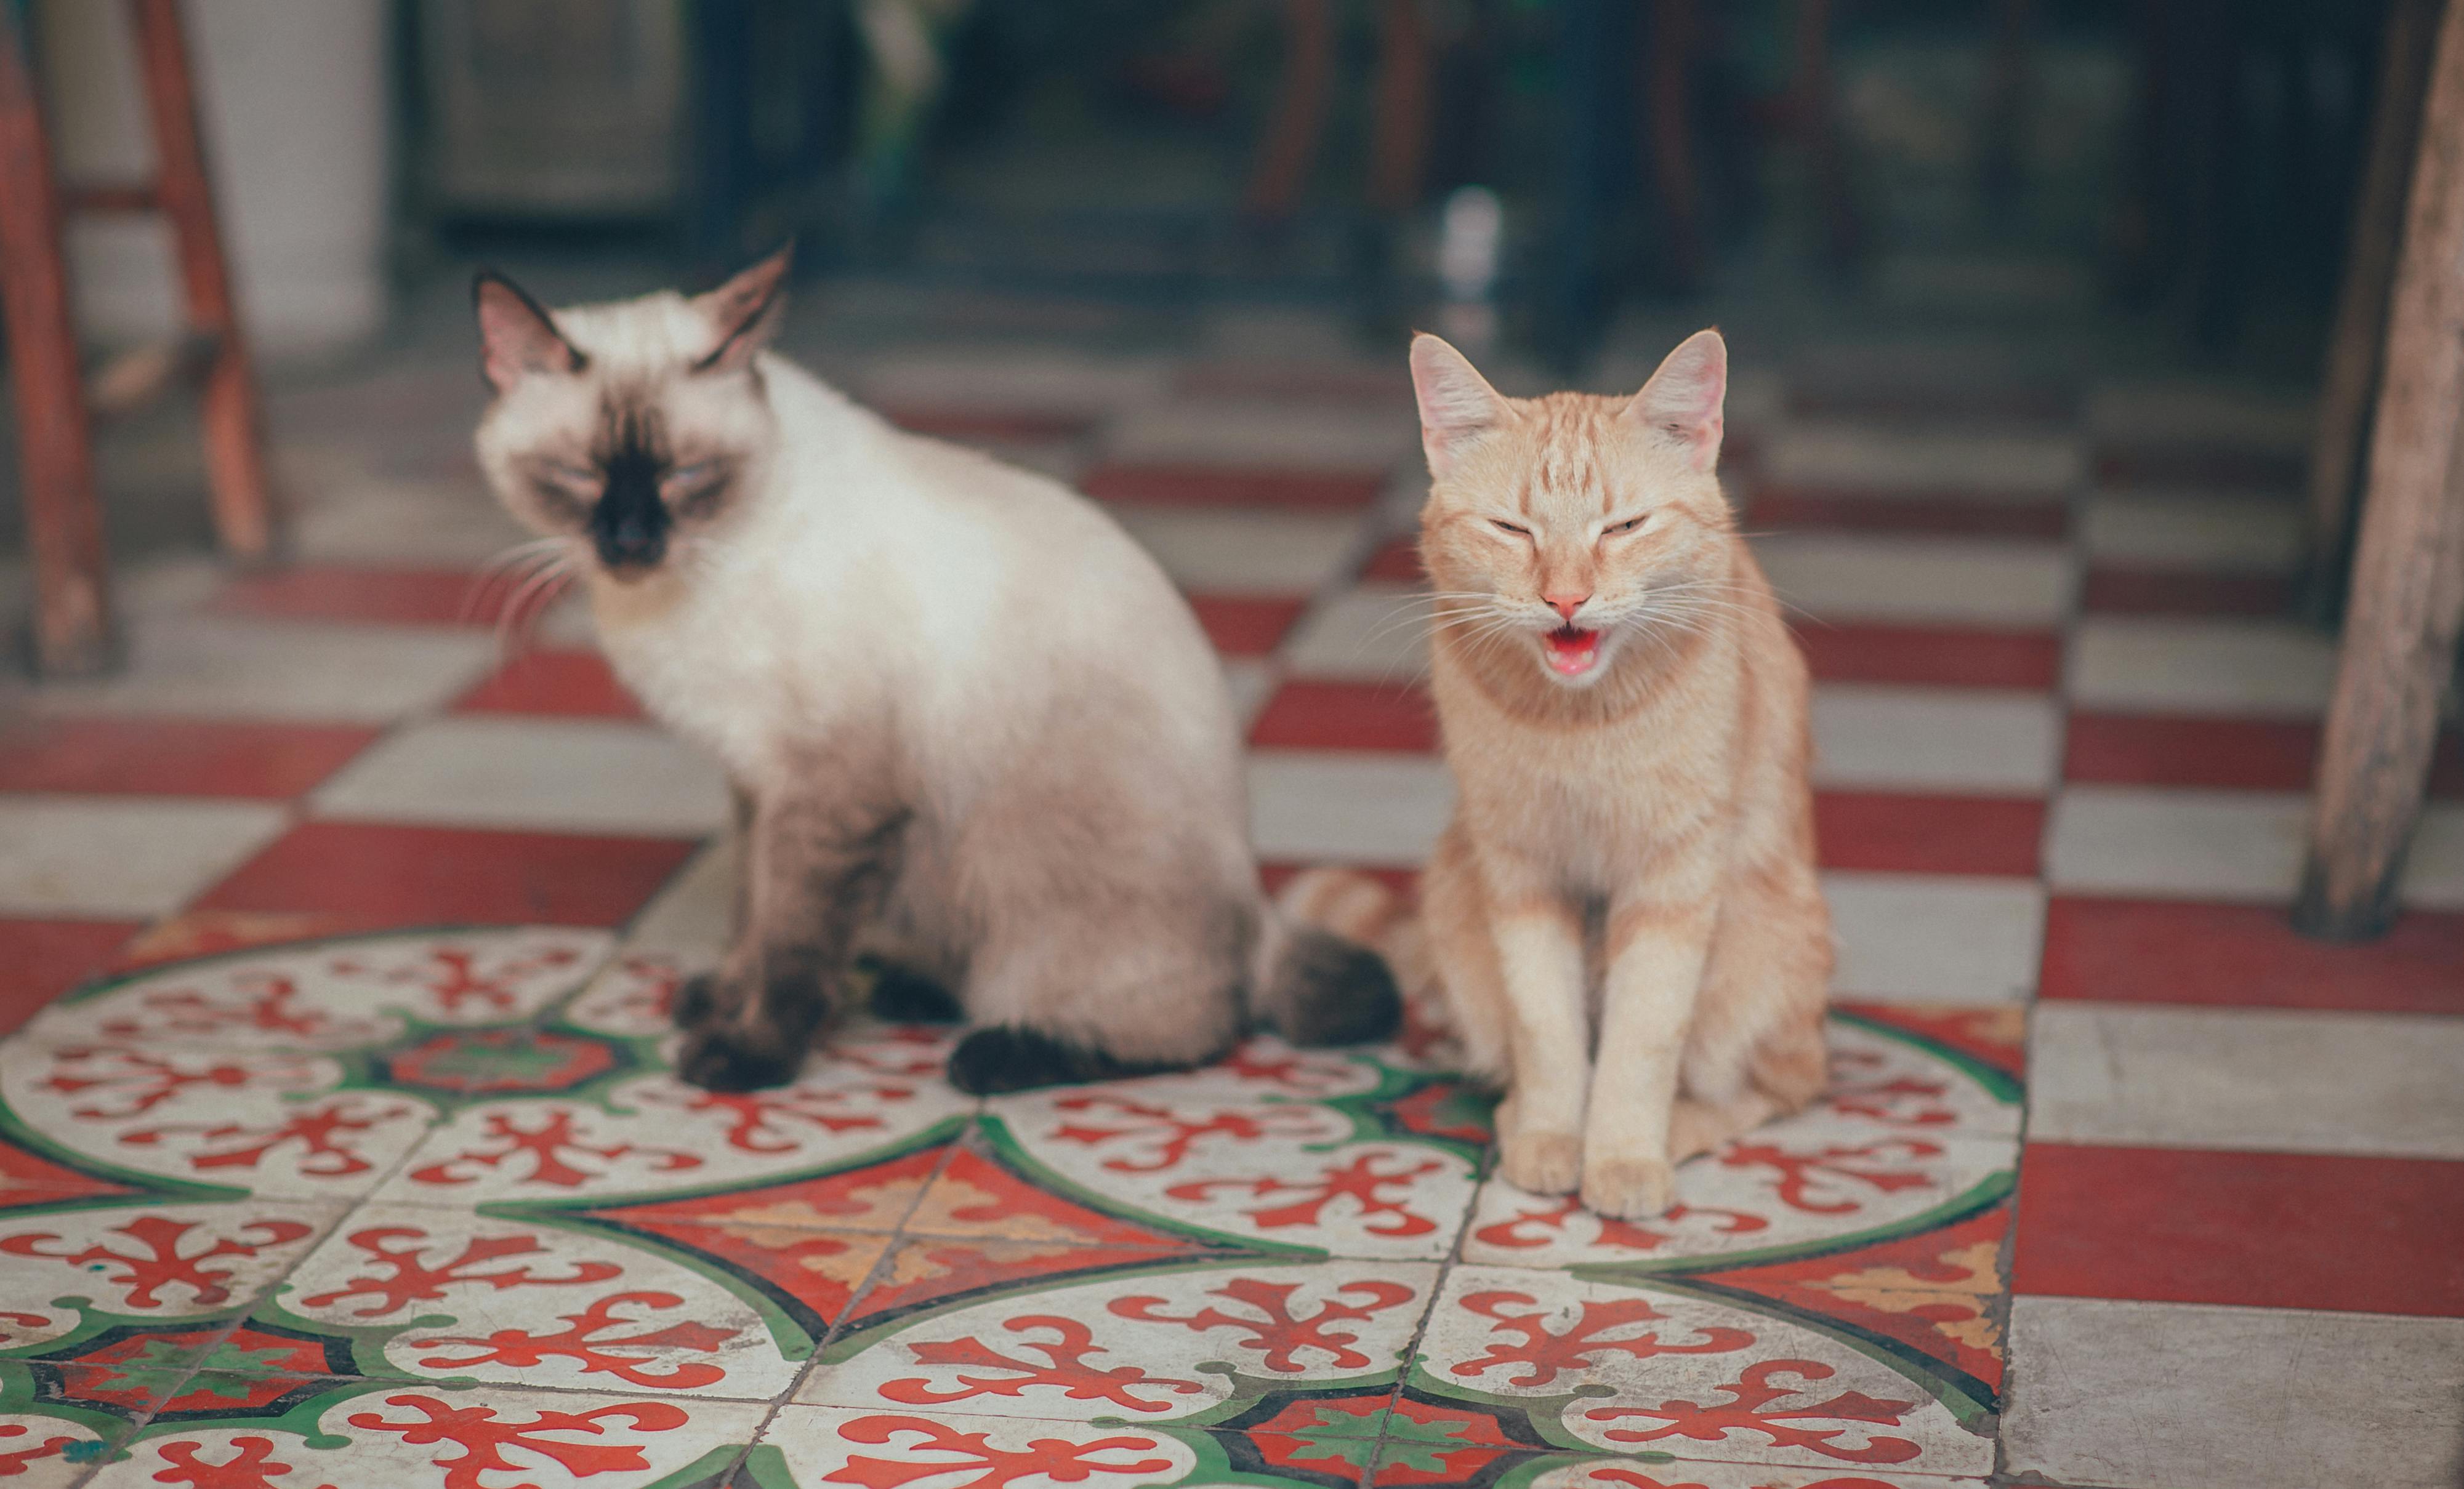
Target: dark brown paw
903 996
720 1059
1005 1058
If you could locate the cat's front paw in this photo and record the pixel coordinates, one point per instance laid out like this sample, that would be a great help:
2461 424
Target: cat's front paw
739 1036
1628 1188
718 1057
1540 1163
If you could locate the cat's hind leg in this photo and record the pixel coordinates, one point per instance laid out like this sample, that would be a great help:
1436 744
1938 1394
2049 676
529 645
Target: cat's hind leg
1089 995
1783 1076
1755 1051
1461 957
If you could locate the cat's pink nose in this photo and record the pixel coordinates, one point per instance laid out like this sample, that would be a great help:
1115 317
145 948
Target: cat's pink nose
1566 604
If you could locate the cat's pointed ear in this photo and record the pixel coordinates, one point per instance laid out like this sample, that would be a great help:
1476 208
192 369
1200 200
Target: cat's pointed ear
517 334
1456 404
1681 404
744 312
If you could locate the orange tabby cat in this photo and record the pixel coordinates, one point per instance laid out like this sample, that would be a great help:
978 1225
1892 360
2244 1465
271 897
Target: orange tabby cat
1623 914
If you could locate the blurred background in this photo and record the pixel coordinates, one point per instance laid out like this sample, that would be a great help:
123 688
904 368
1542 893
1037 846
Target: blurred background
2187 159
2129 182
2174 166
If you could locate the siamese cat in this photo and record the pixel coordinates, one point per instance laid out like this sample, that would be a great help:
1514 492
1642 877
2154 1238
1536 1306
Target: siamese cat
973 730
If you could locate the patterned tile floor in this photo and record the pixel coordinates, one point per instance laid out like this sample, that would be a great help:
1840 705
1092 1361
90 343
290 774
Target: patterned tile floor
360 1161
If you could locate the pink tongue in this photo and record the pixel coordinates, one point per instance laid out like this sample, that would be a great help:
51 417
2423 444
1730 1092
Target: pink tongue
1572 652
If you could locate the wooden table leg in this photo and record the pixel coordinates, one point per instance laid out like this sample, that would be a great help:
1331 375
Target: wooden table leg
73 633
2354 347
234 425
2408 595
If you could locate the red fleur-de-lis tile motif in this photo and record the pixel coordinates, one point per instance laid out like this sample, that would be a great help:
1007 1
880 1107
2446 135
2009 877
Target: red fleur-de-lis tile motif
1359 1181
1266 1062
489 1445
1862 1087
252 1465
1063 1368
763 1121
544 1145
1524 1338
1155 1137
152 1262
406 1278
17 1461
454 976
1275 1331
1747 1411
1537 1224
954 1451
118 1083
324 1134
1821 1182
261 1003
589 1340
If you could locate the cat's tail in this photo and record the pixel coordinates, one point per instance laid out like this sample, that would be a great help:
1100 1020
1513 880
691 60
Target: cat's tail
1322 979
1342 954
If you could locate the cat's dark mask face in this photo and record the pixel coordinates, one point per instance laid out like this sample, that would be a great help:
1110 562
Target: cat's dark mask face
627 427
633 489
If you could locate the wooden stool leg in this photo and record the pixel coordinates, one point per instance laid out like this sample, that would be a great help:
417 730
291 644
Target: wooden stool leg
2408 600
72 631
235 425
2351 376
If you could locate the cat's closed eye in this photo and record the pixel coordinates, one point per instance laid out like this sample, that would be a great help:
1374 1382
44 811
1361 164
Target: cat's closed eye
690 487
574 480
1632 524
567 490
1513 529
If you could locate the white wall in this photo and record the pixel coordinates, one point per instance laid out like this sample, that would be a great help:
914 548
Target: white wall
297 117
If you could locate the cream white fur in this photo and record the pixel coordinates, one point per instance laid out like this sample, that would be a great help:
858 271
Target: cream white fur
868 579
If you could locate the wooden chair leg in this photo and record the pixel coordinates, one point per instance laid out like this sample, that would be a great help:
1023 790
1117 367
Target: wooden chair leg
1292 138
234 425
2408 600
73 631
2354 347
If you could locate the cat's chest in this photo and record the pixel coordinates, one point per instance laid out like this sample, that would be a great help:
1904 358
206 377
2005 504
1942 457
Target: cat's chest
1597 802
718 676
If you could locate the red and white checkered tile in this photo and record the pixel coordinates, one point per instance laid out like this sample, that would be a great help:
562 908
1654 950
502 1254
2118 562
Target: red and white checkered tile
309 1194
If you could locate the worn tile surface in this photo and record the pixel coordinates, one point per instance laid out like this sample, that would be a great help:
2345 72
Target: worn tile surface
356 1157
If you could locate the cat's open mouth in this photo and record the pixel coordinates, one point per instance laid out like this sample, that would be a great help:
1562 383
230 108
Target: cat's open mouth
1572 652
